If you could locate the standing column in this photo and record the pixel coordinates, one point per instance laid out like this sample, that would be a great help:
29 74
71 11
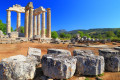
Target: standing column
34 27
30 35
26 23
18 21
8 21
38 24
43 25
48 23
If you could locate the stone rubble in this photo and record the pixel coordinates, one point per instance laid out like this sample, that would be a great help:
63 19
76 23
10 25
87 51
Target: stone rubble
77 52
17 68
112 59
89 65
58 66
35 54
58 51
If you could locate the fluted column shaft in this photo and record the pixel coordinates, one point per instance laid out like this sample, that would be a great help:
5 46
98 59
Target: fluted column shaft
34 27
26 23
43 25
8 21
18 21
48 23
30 35
38 24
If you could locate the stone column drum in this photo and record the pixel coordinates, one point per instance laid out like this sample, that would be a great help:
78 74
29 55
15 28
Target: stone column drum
34 27
38 24
8 21
43 25
30 23
18 21
26 23
48 23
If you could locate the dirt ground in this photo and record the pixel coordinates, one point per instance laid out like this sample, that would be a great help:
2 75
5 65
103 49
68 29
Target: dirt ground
7 50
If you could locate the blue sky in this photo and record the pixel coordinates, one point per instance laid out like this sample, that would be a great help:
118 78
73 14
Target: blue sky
71 14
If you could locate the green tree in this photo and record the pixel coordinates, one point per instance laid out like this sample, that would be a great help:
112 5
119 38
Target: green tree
81 33
21 29
62 35
68 36
118 33
110 34
99 36
88 36
54 34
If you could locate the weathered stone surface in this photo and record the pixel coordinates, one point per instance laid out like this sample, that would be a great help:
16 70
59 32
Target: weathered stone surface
22 39
107 53
73 40
17 68
89 65
34 53
92 40
13 35
5 36
58 51
117 48
58 66
36 37
112 64
88 39
1 33
77 52
112 59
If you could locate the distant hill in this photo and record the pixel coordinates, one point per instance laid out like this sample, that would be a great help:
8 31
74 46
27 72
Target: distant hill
90 31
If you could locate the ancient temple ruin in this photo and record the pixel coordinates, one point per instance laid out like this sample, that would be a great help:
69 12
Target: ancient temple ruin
32 21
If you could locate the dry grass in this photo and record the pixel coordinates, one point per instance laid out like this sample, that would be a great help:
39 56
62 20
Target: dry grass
7 50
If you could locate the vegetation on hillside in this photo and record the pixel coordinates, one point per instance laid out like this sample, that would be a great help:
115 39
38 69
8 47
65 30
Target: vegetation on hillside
113 34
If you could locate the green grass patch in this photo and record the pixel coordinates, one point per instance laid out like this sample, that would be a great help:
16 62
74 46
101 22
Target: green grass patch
87 78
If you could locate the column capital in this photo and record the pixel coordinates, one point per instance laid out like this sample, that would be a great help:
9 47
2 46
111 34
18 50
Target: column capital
48 9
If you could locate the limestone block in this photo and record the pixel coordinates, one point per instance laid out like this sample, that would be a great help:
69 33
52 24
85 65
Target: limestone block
107 53
36 53
36 37
112 64
117 48
77 52
58 66
1 33
58 51
85 38
22 39
17 68
89 65
92 40
13 35
88 39
5 36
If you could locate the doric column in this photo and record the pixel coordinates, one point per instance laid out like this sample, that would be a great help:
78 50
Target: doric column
43 25
38 24
30 35
26 23
8 21
34 27
48 23
18 21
